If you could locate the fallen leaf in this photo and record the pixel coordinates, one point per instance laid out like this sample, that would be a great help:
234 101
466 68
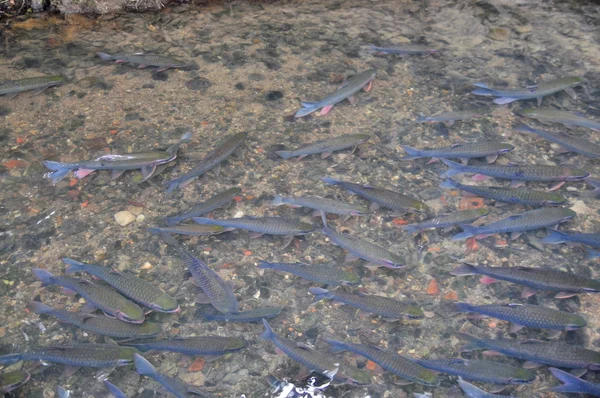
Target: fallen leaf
247 253
399 221
20 140
451 295
470 203
371 365
434 249
197 366
238 199
13 163
433 288
472 244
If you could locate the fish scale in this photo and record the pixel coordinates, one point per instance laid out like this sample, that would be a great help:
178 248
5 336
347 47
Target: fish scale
12 380
31 83
451 116
262 225
85 355
548 353
535 92
245 316
557 116
578 145
449 220
326 146
215 202
129 285
590 239
463 151
477 370
535 316
321 204
316 273
200 345
397 364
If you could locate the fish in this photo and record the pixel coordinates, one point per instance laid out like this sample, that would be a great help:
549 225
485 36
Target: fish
10 381
451 116
328 275
588 239
574 384
129 285
399 365
567 284
12 88
114 390
213 160
262 225
475 392
570 143
531 172
215 202
175 386
477 370
519 223
535 316
314 360
83 355
358 248
379 305
326 147
521 196
254 315
382 197
321 205
101 297
199 345
536 352
534 92
569 119
448 220
219 292
465 151
190 230
163 62
118 164
99 324
362 80
405 49
62 392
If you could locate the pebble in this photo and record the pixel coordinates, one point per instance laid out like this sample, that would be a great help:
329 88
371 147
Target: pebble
124 218
499 34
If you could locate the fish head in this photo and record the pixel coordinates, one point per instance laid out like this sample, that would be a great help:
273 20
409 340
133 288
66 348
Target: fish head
555 199
504 148
150 328
575 174
57 79
165 304
522 376
528 112
131 315
355 376
351 278
419 207
13 380
482 211
575 322
429 378
236 343
568 214
413 312
573 80
304 228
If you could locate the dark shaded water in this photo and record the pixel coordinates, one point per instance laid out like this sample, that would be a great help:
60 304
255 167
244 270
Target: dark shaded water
249 65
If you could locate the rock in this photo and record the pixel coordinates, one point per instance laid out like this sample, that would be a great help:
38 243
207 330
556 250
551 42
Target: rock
499 34
124 218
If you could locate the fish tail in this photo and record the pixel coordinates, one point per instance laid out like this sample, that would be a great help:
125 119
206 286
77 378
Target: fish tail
268 334
421 119
455 168
277 201
449 183
592 254
208 317
9 359
555 237
105 56
320 294
44 276
336 345
572 383
284 154
73 266
169 240
412 228
464 269
39 308
472 342
155 230
468 231
412 153
307 108
523 128
170 222
54 166
265 265
143 367
329 180
59 170
595 183
114 390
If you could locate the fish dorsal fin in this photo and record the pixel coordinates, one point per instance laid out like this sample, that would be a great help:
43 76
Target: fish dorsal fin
305 346
514 305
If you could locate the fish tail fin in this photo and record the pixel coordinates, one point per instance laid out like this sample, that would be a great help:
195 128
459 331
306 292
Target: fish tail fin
262 264
592 254
59 170
449 183
284 154
468 231
336 345
73 266
472 342
572 383
594 183
9 359
268 334
324 219
154 230
421 119
143 367
172 185
170 222
320 293
307 108
523 128
114 390
555 237
412 153
329 180
44 276
464 269
412 228
53 166
104 56
39 307
455 168
169 240
208 317
277 201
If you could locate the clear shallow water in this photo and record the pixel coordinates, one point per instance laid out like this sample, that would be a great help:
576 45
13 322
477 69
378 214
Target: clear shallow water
249 65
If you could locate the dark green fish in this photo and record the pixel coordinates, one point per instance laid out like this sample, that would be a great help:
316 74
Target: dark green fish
326 147
219 200
254 315
555 116
566 283
534 92
451 116
98 324
382 197
476 370
589 239
574 144
448 220
321 205
213 160
144 60
471 150
12 88
379 305
401 366
84 355
190 230
404 49
129 285
522 196
262 225
535 352
317 273
12 380
317 361
105 299
200 345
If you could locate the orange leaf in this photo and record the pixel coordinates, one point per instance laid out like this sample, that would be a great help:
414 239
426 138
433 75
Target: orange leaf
11 164
451 295
197 366
434 249
399 221
247 253
370 365
433 289
472 244
73 182
113 132
238 199
493 324
20 140
470 203
85 204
